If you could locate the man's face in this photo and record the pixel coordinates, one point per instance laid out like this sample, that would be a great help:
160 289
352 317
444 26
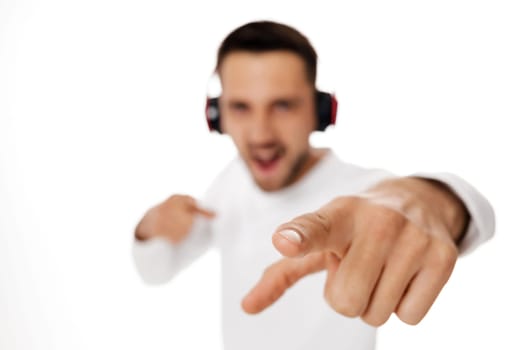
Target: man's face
267 107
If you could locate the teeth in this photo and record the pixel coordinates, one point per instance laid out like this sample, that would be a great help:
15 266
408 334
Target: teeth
267 157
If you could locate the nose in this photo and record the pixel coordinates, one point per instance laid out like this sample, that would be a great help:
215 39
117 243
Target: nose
262 130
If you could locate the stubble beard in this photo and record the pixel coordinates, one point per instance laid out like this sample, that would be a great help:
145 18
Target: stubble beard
296 169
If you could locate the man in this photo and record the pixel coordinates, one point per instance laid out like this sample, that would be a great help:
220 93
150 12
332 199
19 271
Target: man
387 244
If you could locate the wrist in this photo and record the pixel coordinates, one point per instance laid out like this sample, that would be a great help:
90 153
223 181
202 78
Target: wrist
429 203
455 214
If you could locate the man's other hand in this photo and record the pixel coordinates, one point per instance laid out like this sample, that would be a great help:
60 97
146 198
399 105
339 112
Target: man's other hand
171 219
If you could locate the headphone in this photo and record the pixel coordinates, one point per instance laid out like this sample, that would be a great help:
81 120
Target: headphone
326 111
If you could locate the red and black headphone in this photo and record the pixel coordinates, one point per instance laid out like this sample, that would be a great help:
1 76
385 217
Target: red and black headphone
326 111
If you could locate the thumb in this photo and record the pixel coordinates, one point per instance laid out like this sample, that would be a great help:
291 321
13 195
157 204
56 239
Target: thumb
313 232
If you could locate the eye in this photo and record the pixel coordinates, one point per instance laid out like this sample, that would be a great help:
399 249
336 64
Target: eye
238 107
283 106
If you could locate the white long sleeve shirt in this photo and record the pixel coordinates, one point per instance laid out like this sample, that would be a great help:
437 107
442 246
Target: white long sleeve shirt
246 219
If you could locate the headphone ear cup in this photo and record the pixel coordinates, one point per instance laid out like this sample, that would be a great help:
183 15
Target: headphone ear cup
326 110
213 114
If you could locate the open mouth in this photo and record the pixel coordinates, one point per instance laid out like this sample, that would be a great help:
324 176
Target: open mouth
267 160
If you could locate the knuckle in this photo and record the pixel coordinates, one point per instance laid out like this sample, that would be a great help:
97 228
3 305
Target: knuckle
180 198
392 217
321 220
280 279
409 317
418 241
344 303
289 279
385 224
382 233
268 271
444 256
343 202
175 197
341 207
375 319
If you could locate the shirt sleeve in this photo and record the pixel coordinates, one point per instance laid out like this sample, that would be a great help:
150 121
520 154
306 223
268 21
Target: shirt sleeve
157 260
482 217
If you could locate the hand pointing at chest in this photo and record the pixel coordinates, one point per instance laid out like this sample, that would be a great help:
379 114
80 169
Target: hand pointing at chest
388 250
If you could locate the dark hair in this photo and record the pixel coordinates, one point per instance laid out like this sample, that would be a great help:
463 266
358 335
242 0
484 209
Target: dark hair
270 36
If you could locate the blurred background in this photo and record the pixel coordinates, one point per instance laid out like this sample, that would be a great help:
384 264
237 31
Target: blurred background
101 117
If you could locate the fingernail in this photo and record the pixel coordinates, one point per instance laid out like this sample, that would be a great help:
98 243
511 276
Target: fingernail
291 235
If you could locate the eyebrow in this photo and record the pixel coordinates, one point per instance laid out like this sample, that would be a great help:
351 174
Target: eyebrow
237 103
292 100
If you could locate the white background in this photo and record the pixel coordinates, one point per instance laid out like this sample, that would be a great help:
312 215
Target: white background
101 116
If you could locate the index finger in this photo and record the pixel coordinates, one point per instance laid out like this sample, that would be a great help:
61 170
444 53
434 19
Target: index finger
278 278
202 211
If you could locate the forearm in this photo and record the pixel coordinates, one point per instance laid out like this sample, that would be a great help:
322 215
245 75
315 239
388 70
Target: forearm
157 260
